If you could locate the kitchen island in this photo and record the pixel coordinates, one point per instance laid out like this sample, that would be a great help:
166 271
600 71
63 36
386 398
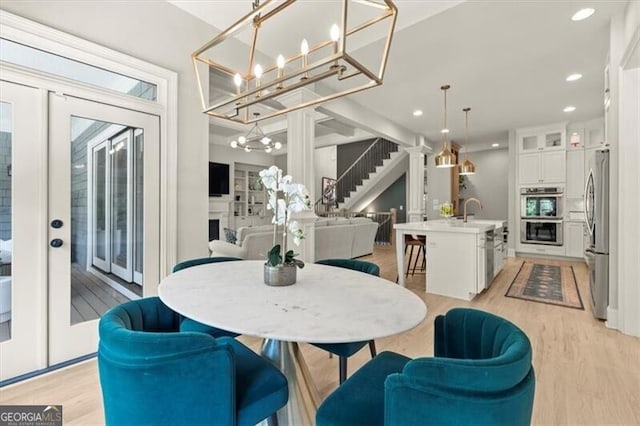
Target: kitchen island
462 258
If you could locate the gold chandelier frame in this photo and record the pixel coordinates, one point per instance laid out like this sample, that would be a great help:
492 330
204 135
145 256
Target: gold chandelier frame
257 92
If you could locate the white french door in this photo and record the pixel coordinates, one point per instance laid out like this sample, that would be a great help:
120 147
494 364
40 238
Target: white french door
22 231
67 204
106 213
116 227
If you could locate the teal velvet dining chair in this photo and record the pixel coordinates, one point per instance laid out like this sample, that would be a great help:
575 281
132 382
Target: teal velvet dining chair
345 350
187 324
153 374
480 373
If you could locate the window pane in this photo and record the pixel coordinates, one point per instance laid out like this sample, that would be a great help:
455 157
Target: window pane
100 227
40 60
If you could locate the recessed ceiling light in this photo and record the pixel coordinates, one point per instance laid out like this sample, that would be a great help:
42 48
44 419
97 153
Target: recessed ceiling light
569 108
417 113
574 77
495 145
583 14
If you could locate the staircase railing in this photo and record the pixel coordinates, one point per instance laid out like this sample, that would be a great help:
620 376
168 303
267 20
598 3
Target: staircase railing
379 150
365 164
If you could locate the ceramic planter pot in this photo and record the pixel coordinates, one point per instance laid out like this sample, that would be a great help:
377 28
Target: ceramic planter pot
281 275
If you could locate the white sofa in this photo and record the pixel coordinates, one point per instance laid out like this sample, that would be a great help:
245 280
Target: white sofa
341 238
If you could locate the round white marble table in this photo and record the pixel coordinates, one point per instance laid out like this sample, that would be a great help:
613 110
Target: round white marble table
326 305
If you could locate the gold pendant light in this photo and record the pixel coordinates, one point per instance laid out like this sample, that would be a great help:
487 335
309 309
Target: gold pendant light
467 167
445 158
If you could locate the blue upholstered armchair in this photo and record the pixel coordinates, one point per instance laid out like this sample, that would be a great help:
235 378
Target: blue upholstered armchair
152 374
345 350
187 324
481 374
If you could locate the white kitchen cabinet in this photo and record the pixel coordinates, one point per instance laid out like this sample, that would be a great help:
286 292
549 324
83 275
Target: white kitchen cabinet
574 239
498 259
594 134
452 264
548 138
542 167
575 173
541 249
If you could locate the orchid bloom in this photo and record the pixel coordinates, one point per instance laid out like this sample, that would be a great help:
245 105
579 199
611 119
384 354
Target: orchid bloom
296 231
285 198
270 177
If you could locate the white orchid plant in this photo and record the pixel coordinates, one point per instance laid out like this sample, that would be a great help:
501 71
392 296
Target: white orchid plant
285 198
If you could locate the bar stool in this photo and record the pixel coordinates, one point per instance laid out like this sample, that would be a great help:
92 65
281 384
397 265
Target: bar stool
417 242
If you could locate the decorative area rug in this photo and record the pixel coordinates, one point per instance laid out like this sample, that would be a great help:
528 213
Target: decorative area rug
551 284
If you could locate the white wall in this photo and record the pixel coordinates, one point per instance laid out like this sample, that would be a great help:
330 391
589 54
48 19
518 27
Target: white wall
162 34
326 165
438 186
489 184
226 154
623 134
281 162
514 215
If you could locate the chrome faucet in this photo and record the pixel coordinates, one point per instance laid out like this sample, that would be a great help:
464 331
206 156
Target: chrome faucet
465 207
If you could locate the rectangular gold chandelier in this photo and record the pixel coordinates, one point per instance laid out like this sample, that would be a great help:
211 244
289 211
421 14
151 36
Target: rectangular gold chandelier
331 48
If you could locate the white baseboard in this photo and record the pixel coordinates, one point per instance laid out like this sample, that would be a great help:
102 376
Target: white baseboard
612 318
511 253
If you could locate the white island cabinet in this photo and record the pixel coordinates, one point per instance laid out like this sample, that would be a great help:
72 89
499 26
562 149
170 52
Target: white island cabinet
459 263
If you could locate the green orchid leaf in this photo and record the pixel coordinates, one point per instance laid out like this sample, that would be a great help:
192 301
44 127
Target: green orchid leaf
273 257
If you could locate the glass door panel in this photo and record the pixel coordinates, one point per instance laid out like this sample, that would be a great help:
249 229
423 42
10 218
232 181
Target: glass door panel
138 205
92 162
121 211
22 232
100 236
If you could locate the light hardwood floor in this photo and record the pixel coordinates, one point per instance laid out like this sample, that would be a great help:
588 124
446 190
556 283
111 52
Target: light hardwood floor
585 373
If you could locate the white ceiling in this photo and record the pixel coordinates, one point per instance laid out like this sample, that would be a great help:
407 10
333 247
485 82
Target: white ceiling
507 60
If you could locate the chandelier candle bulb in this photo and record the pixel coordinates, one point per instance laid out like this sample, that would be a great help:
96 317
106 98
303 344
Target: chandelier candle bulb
280 62
237 80
335 37
304 49
257 71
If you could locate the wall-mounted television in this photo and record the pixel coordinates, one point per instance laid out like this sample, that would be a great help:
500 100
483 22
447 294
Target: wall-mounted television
218 179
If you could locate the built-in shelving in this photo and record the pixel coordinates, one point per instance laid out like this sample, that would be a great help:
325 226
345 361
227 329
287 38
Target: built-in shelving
249 208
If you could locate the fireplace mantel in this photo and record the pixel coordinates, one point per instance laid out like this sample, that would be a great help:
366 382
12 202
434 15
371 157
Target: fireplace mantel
219 210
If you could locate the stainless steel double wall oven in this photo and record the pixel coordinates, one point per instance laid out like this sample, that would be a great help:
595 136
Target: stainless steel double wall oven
541 215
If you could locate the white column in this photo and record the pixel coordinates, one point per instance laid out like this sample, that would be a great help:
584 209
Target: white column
415 208
301 166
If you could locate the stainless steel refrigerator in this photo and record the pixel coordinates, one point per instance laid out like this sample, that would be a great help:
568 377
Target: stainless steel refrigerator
596 206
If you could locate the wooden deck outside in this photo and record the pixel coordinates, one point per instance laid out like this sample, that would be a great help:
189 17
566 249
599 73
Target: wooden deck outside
90 296
5 331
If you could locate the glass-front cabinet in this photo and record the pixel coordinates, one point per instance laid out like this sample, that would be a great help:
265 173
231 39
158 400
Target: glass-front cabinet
542 139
